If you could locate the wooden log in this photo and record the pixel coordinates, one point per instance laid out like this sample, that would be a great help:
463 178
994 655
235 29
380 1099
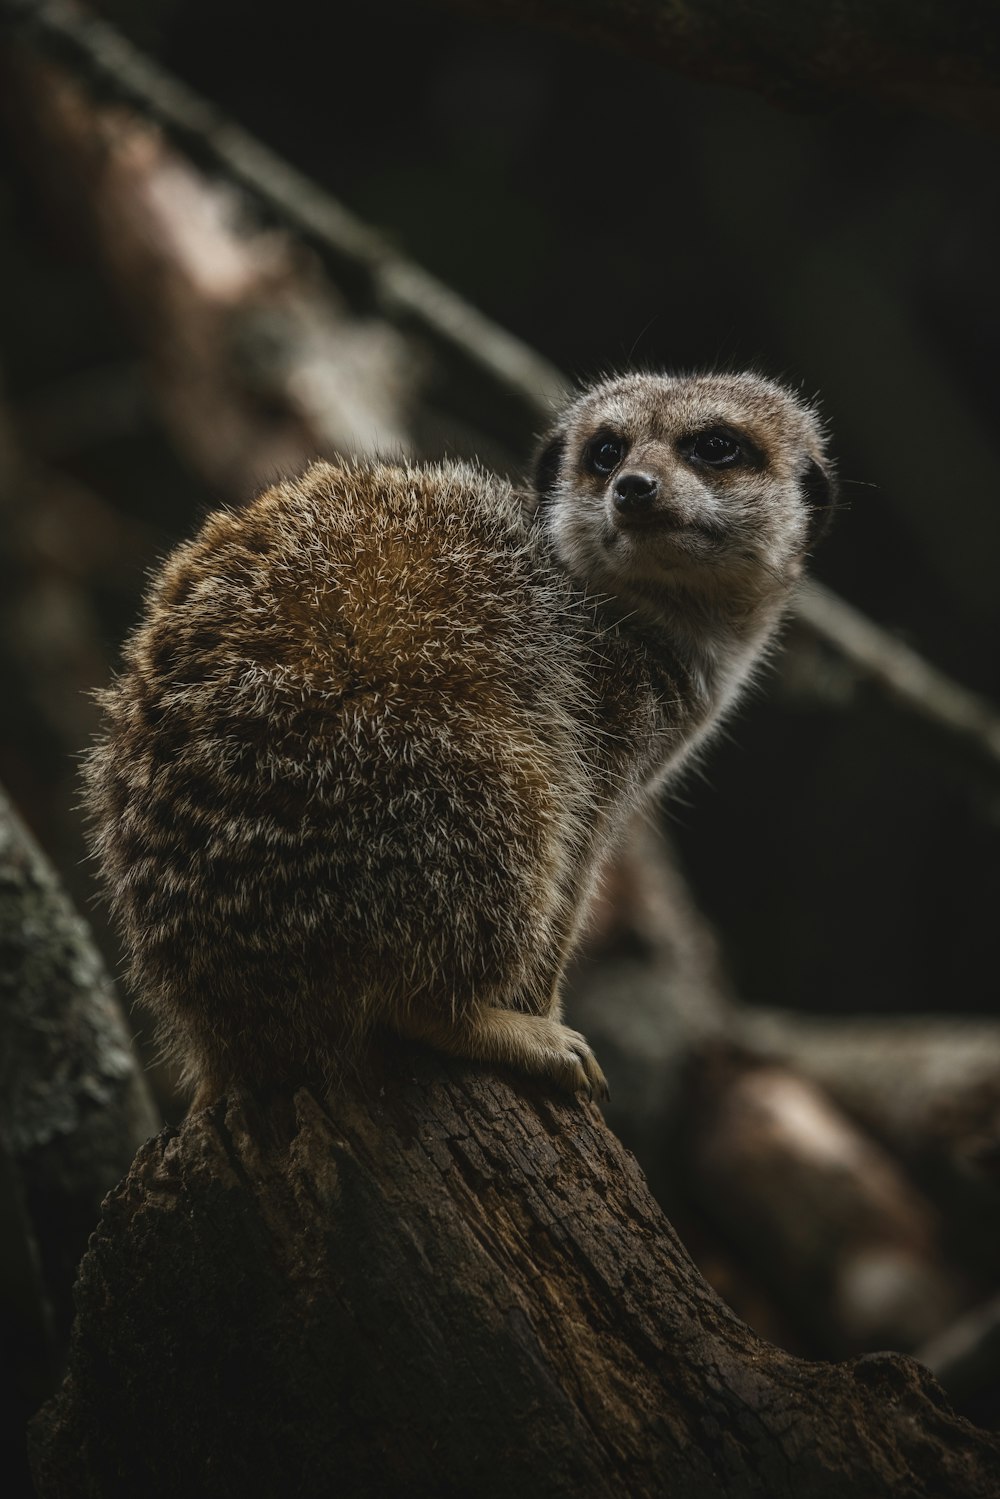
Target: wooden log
927 1087
829 1159
846 1243
73 1103
73 1108
445 1283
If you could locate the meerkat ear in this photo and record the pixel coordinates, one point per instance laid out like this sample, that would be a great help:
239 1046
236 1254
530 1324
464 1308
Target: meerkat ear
819 490
547 466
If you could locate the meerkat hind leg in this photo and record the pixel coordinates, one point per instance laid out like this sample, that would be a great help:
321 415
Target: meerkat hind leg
535 1044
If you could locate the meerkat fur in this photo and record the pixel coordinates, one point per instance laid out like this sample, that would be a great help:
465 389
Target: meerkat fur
378 731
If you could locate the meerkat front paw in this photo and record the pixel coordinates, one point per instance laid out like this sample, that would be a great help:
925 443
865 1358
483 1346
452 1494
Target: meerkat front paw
535 1044
566 1057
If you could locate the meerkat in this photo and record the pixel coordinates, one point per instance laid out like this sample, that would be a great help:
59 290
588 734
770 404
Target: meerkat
380 729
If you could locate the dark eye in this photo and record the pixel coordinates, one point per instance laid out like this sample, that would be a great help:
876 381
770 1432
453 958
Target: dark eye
605 453
717 448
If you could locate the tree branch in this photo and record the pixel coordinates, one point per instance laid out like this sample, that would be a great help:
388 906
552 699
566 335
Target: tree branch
774 1127
115 71
904 677
443 1284
73 1109
73 1105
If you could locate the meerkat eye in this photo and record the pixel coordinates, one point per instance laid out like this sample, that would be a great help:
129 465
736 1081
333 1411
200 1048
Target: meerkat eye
717 448
604 453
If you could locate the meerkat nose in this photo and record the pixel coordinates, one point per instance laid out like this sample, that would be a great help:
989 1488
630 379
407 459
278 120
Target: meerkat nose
634 492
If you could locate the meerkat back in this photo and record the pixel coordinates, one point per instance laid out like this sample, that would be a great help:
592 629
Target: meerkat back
327 794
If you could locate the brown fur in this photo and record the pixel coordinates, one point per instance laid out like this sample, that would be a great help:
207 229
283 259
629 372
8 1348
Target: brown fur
378 731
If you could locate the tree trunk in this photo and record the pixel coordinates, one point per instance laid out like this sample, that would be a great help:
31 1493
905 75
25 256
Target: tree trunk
446 1284
73 1104
73 1108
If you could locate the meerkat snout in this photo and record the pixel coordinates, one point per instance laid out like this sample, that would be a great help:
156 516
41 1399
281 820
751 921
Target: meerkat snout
634 494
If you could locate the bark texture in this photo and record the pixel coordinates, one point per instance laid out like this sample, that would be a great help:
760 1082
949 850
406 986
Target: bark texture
73 1109
73 1105
443 1284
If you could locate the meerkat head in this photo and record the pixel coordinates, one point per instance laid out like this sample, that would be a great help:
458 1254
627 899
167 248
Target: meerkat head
653 486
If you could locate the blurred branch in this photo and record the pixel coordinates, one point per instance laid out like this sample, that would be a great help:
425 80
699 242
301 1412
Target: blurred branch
728 1117
800 53
114 70
965 1357
650 991
117 72
256 363
903 676
926 1086
845 1241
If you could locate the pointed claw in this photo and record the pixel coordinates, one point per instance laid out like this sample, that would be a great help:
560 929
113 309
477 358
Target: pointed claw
561 1055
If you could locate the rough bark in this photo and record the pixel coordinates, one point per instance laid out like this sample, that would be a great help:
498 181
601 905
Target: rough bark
73 1109
445 1284
73 1105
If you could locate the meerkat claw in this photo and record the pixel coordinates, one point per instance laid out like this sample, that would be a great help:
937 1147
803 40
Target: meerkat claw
597 1085
579 1070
